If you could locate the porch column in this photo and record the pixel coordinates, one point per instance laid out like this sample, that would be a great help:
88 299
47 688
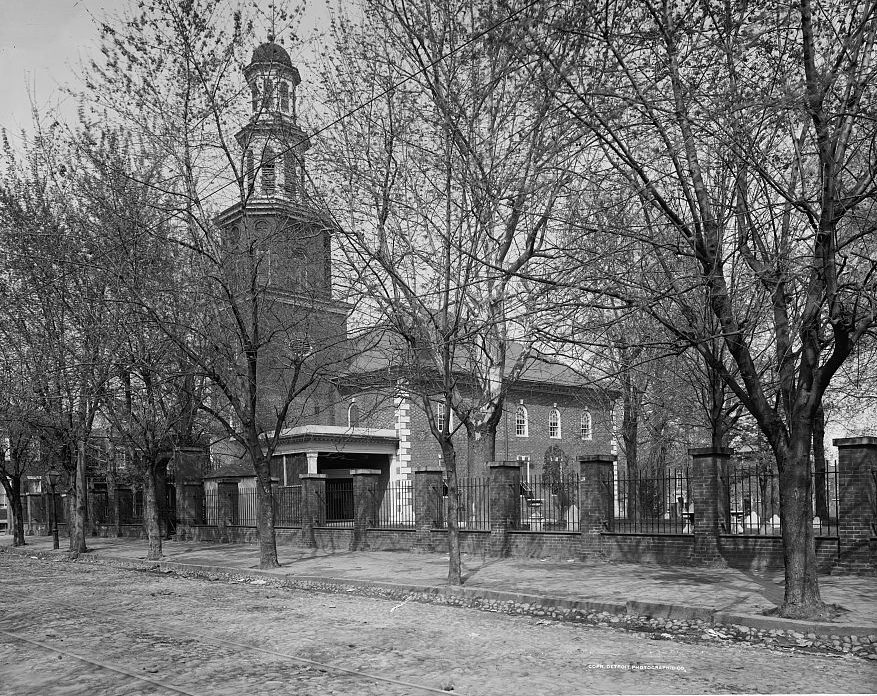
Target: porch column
709 495
428 506
313 506
365 505
596 499
504 504
312 462
856 483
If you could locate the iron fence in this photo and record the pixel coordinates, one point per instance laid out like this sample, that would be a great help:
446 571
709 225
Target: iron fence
473 494
339 502
754 502
231 508
393 504
287 506
550 504
655 503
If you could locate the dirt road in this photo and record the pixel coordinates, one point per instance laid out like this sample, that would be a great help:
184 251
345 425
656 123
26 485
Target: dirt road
76 628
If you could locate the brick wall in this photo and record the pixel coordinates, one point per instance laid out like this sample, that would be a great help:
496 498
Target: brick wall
662 549
509 446
766 553
746 552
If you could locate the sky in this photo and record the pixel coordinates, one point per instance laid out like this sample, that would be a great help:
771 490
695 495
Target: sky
44 43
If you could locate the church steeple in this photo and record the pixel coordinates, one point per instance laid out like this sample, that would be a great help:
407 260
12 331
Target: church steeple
272 141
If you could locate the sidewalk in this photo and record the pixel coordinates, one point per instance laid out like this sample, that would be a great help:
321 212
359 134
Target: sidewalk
725 596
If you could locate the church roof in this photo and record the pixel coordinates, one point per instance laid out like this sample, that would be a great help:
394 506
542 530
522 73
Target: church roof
236 469
270 52
383 357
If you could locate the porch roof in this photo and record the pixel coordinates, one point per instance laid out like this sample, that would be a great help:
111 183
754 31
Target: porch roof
336 438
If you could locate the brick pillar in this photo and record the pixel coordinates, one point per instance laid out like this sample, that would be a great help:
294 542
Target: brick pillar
428 507
709 496
596 500
313 506
856 467
366 502
504 505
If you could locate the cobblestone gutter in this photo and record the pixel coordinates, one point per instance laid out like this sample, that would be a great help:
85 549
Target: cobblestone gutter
662 622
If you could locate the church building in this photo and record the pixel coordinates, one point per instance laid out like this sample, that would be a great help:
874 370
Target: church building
358 414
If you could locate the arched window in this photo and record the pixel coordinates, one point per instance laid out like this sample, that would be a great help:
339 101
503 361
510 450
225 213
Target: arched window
554 423
522 422
289 173
587 432
268 178
251 168
268 94
440 416
254 89
284 96
353 416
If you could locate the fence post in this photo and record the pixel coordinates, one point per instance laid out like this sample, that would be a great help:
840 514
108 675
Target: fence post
709 495
365 505
504 504
596 499
428 507
856 505
313 506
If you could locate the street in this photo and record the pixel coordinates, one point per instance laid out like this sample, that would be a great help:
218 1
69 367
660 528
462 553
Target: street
77 628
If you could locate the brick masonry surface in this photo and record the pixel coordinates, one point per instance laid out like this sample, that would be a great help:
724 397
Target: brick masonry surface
752 553
766 553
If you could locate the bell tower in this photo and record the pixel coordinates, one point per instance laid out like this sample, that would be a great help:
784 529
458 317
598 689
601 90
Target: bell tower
272 141
277 242
275 212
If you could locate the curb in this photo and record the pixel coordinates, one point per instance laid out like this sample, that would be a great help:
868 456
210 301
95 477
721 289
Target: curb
548 606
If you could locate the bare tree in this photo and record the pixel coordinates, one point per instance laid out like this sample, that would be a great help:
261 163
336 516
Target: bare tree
744 131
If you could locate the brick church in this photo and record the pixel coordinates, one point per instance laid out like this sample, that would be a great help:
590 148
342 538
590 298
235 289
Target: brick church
360 416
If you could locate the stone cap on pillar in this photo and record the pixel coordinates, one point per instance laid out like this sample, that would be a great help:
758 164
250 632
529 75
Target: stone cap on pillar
598 458
711 451
312 476
429 469
365 472
855 442
511 464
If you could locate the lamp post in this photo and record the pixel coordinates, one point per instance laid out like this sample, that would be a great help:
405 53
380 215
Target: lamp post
53 475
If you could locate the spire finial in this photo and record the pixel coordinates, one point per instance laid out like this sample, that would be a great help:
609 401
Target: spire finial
273 32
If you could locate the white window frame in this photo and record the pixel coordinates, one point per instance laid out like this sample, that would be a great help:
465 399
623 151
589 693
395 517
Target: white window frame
555 429
587 426
524 431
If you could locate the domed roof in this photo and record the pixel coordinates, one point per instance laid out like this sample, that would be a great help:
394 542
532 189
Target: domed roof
271 52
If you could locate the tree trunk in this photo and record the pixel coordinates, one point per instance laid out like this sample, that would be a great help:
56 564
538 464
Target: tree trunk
151 516
802 598
161 495
12 486
481 448
455 574
265 515
113 494
630 438
77 520
821 493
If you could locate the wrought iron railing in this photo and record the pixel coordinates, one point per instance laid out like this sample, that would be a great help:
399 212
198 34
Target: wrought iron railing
393 503
550 504
649 503
473 495
754 502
